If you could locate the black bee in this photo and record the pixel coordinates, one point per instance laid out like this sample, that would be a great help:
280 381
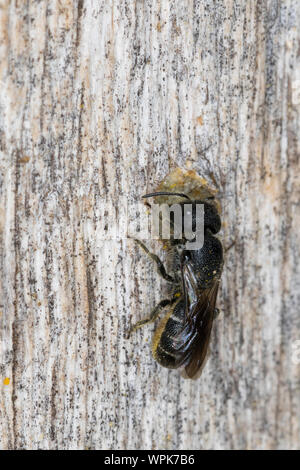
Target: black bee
182 338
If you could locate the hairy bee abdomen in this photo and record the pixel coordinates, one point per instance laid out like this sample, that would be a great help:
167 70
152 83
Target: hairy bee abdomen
162 347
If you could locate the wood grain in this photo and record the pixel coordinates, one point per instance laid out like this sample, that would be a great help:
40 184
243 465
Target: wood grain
100 100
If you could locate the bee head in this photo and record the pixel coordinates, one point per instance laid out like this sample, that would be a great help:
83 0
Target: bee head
212 219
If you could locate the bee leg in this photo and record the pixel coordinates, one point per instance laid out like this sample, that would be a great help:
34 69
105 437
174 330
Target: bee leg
152 317
160 267
230 246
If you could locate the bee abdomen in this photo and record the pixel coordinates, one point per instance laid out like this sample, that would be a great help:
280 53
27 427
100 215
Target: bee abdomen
163 349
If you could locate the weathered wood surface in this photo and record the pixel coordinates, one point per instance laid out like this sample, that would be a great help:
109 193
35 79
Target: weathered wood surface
101 99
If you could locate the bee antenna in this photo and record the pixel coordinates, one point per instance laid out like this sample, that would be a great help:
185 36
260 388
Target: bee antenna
163 193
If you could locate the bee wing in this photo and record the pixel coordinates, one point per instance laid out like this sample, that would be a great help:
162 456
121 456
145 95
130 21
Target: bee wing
204 316
190 288
191 343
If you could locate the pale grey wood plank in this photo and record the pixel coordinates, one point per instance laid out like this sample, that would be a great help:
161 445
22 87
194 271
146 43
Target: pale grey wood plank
100 100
